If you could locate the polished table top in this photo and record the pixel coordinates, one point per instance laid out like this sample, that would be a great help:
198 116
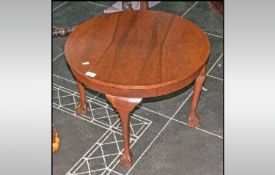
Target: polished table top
131 55
137 53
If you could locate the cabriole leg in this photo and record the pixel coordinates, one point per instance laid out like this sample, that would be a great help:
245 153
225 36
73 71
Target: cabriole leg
81 108
194 120
124 106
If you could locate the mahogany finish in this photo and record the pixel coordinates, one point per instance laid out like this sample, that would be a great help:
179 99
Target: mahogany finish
142 52
124 106
81 108
193 118
137 54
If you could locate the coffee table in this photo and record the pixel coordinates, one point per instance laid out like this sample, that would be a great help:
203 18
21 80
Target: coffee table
132 55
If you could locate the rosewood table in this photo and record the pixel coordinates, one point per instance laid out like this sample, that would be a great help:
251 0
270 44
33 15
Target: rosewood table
132 55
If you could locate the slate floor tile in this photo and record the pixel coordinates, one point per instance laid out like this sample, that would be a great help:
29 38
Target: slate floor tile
76 136
217 70
71 86
55 4
58 46
182 150
174 7
62 69
74 13
209 108
206 17
216 45
105 3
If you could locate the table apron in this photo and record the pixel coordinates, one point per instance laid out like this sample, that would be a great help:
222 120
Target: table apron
135 93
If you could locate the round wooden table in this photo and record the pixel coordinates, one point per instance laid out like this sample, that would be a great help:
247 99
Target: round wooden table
132 55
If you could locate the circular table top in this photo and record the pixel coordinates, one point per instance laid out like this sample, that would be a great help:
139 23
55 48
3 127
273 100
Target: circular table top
137 53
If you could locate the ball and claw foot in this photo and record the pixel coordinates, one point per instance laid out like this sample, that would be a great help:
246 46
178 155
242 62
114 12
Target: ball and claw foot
126 160
194 120
81 109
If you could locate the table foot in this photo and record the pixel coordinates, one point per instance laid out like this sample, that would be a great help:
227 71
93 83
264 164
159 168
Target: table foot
126 159
81 108
124 106
194 120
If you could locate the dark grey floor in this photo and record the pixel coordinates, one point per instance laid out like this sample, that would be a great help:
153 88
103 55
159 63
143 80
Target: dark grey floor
161 141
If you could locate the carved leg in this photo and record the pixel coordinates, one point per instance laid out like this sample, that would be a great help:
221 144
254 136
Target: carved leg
81 108
194 120
124 106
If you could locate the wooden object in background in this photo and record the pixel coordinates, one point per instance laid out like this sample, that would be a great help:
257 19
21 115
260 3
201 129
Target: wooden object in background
126 5
63 31
219 6
144 5
132 55
56 141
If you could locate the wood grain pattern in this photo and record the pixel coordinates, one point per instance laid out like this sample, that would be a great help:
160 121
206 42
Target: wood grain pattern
137 53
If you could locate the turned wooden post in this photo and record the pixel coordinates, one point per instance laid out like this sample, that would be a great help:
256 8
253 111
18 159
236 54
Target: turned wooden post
63 31
144 5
